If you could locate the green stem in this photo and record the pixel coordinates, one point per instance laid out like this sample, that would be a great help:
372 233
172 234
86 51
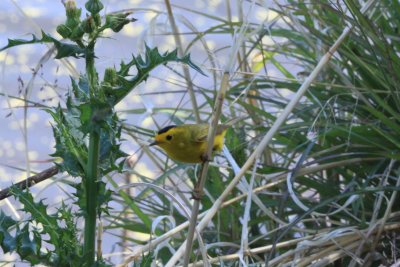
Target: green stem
91 185
91 199
91 70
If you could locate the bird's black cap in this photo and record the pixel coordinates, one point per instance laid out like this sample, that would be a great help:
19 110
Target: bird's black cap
166 129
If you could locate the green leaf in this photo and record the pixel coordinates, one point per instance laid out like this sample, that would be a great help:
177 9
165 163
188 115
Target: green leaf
59 229
63 49
72 126
81 89
38 211
93 115
70 140
27 248
144 65
8 242
104 197
133 205
116 22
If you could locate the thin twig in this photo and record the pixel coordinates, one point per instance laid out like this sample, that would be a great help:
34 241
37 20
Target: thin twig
244 244
99 240
186 71
199 188
30 181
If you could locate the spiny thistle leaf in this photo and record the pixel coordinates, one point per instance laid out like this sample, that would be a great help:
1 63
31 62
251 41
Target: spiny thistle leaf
63 49
83 115
38 211
27 248
70 143
110 150
104 197
80 89
7 241
70 247
67 249
116 22
144 65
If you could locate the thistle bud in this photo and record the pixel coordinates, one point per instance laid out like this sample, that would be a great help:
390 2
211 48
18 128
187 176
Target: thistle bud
64 31
97 19
77 33
118 21
71 10
94 6
110 76
88 25
73 15
70 4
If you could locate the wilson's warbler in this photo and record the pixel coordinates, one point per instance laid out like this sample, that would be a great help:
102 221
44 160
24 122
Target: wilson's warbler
188 142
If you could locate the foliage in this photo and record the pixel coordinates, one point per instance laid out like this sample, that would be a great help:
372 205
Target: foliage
63 49
60 228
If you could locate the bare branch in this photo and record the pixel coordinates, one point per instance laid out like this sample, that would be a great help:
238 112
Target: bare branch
30 181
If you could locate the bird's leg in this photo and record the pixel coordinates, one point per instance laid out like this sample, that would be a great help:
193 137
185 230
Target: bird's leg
204 157
197 193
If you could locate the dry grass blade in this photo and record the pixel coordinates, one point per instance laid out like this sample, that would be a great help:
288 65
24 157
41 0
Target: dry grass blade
321 249
198 190
186 72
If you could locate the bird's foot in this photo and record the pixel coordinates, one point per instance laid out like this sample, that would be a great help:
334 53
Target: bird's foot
204 158
197 194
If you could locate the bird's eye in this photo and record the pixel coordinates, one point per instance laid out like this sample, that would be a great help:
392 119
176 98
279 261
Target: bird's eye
169 137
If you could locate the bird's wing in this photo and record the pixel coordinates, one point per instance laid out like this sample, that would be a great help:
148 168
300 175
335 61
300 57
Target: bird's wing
200 134
221 128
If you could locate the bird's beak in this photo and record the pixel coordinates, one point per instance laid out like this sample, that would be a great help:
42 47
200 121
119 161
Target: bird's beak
154 143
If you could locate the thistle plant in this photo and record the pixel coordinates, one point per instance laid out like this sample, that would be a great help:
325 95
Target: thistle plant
87 132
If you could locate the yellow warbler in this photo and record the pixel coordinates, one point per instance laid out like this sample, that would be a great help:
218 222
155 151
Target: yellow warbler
188 142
